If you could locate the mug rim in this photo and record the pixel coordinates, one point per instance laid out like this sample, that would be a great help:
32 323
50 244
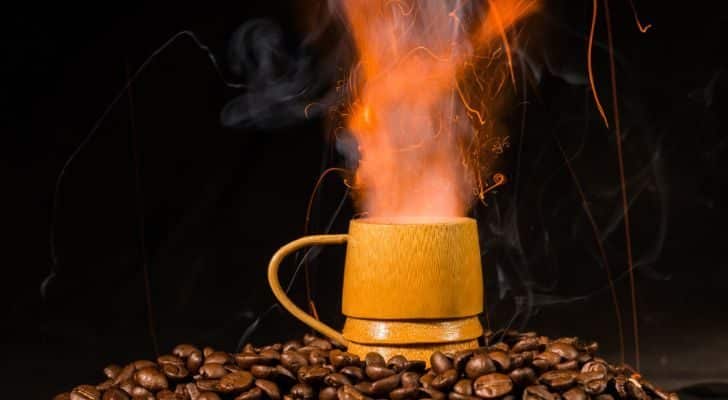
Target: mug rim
413 220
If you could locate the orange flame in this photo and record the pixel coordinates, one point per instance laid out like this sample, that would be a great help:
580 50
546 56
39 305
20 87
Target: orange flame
430 82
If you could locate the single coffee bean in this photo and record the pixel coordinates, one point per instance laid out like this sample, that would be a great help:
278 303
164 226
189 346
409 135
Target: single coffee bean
212 371
374 359
138 391
427 378
526 344
341 359
397 363
458 396
312 375
318 357
236 382
538 392
635 390
293 360
270 356
275 347
127 385
565 350
410 379
247 360
336 379
140 364
594 382
192 390
364 387
349 393
252 394
208 385
502 346
270 388
291 345
575 394
354 373
308 338
207 350
460 358
440 362
151 378
573 364
302 391
375 372
321 344
115 394
112 370
125 374
208 396
262 371
194 361
85 392
523 376
595 366
327 393
404 393
219 357
546 360
174 371
445 380
385 385
284 376
432 393
558 380
492 385
464 386
479 364
105 385
501 359
169 359
167 395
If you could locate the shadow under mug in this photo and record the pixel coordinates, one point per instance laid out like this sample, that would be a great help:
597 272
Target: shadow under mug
411 286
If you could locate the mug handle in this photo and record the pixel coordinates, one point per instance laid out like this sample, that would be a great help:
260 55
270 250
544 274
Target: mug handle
280 294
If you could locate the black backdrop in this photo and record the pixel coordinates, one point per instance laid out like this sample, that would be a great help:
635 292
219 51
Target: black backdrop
217 202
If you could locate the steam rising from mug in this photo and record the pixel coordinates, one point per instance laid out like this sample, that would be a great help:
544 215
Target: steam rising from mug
428 89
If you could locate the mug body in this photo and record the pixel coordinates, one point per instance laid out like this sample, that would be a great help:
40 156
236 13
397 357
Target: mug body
412 286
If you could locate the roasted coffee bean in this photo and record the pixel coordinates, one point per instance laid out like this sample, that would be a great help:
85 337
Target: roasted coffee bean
336 379
174 371
105 385
115 394
212 371
397 363
312 375
445 380
605 396
427 378
302 391
492 385
168 395
262 371
546 360
85 392
192 390
207 350
594 382
634 389
321 344
479 364
219 357
291 345
523 376
354 373
151 378
565 350
558 380
526 344
125 374
404 393
464 386
460 358
573 364
575 394
252 394
270 388
440 362
410 379
385 385
138 391
209 385
375 372
127 385
501 359
364 387
432 393
374 359
194 361
327 393
349 393
458 396
502 346
293 360
284 376
341 359
538 392
208 396
595 366
584 358
270 356
247 360
654 390
318 357
112 370
521 359
236 382
140 364
170 359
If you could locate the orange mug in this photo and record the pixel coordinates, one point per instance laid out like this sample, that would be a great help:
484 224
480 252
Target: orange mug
411 286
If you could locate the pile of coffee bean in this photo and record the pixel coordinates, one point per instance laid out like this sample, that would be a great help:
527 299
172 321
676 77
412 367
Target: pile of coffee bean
511 365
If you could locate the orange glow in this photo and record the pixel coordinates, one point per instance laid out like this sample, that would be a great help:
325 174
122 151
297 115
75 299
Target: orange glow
429 90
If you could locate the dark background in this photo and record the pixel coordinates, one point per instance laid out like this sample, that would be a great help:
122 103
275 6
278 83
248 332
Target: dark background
217 202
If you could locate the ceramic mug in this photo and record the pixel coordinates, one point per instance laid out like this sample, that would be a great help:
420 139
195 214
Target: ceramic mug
411 286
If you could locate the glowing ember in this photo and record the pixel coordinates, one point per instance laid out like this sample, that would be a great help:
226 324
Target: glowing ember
430 87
